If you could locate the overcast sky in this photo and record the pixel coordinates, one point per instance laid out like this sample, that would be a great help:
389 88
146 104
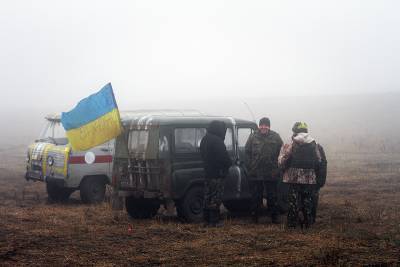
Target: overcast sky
53 53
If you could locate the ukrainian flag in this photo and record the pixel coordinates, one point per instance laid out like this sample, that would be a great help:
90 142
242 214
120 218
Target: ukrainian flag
94 121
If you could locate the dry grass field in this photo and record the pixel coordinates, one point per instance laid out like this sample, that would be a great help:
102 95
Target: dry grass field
358 225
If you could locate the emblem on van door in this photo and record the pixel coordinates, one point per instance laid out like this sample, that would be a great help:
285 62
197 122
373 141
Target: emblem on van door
90 157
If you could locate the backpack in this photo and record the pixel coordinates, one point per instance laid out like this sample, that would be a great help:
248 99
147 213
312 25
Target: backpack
322 169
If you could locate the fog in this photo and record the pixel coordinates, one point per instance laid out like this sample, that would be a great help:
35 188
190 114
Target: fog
343 124
332 64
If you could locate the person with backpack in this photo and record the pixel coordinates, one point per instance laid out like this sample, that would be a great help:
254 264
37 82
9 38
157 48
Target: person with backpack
300 161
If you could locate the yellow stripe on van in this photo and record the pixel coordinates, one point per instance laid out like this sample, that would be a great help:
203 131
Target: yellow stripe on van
66 157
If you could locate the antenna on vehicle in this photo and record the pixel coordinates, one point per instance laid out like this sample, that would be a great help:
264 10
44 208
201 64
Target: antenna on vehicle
251 112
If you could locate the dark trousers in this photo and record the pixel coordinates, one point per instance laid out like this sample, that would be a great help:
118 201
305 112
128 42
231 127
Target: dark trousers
315 200
271 189
300 200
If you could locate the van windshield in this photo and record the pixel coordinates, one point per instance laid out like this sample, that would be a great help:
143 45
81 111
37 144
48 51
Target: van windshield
138 140
53 132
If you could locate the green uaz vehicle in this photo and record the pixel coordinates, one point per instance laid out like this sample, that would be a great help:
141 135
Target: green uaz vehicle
157 162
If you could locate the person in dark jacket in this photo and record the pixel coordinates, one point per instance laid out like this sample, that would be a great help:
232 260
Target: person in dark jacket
216 165
262 151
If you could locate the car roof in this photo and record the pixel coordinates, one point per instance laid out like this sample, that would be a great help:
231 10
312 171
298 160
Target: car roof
139 121
146 117
129 114
53 117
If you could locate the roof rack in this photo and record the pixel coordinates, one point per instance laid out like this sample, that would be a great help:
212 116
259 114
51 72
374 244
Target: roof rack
128 114
164 112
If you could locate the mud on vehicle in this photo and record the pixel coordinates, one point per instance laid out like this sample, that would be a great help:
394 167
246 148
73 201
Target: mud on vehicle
157 162
50 159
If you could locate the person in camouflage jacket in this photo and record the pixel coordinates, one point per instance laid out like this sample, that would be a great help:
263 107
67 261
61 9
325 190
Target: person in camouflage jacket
300 161
262 150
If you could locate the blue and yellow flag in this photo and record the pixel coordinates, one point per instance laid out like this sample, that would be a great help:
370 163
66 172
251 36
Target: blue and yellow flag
94 121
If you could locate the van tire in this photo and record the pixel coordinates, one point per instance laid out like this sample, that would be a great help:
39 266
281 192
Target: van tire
56 193
238 206
93 190
141 208
190 208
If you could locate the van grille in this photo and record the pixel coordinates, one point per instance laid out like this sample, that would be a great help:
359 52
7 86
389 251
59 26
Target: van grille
36 168
36 165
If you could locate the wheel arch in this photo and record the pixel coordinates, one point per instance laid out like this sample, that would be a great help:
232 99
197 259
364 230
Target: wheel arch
103 178
198 182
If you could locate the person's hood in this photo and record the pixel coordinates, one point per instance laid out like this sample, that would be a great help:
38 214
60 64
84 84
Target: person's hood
217 128
303 138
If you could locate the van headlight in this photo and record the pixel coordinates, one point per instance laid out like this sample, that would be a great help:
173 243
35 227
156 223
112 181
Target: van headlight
50 160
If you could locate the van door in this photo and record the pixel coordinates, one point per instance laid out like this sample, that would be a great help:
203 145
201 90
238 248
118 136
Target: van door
187 165
236 184
95 161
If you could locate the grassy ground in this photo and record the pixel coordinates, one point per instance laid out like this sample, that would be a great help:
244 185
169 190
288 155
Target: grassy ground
358 224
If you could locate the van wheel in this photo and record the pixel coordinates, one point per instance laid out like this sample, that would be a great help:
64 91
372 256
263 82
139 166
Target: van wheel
58 194
190 208
238 205
92 190
140 208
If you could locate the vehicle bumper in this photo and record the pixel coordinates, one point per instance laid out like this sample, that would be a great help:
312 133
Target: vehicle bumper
139 193
34 175
56 181
37 176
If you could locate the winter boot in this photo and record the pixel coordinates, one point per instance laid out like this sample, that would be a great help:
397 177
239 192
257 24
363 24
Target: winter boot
275 219
206 217
255 215
214 218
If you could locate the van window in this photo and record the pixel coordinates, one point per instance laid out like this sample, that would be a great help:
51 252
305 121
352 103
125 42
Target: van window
229 139
138 141
187 140
243 135
163 145
54 132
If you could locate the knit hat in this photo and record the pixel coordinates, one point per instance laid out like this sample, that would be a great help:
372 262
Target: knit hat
264 121
300 127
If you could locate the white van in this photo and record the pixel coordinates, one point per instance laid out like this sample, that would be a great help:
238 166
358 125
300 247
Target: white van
50 159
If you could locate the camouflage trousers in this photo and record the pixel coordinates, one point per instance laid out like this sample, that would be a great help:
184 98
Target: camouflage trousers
300 199
213 192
